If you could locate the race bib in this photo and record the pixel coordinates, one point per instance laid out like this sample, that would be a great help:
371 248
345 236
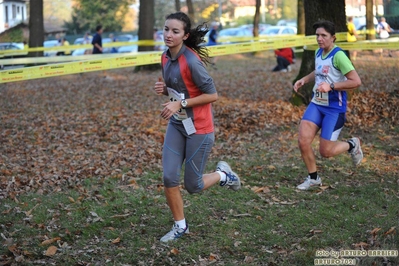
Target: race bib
174 96
320 98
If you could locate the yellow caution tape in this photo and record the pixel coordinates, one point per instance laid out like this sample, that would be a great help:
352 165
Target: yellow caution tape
78 46
79 67
89 63
340 37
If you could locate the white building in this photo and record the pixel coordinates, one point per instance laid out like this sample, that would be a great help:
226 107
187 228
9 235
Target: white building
12 13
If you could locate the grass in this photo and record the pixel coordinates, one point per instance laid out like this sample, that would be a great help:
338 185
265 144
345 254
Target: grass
279 227
118 218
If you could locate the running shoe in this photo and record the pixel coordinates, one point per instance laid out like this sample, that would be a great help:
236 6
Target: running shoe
309 183
175 233
232 179
356 153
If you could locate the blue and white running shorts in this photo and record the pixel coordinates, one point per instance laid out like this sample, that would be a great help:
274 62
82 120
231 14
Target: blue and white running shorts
330 122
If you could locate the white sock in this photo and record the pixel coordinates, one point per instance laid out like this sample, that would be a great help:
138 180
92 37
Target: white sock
181 223
222 176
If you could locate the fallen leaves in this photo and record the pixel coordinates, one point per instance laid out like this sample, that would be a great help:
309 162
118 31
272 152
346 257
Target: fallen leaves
50 241
391 231
51 250
264 189
361 245
116 240
55 134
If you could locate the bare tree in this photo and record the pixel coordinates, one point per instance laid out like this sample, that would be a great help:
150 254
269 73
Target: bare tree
36 27
177 4
369 20
256 18
146 23
301 17
317 10
146 29
190 8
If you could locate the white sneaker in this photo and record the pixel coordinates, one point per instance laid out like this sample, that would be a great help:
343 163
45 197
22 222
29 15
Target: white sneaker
289 68
175 233
232 179
356 153
309 183
284 70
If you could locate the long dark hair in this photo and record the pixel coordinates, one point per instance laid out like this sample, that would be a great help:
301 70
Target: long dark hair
196 35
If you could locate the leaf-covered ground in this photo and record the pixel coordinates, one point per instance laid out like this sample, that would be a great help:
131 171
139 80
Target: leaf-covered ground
56 132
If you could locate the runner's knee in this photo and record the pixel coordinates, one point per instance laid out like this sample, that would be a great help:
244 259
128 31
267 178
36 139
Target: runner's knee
325 152
171 180
194 187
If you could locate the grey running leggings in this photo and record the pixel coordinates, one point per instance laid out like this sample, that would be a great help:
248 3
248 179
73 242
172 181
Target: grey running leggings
194 149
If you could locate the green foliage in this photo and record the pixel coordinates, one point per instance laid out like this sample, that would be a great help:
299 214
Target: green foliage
13 35
74 26
90 13
16 35
289 9
393 21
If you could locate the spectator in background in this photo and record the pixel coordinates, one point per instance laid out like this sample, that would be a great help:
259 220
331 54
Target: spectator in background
352 35
212 40
213 34
157 38
97 41
87 38
284 57
58 37
64 42
113 39
383 30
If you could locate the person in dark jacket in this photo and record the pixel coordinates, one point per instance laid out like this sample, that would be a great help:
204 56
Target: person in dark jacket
97 41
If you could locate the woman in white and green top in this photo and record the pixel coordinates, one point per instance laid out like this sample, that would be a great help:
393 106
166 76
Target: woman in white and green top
334 74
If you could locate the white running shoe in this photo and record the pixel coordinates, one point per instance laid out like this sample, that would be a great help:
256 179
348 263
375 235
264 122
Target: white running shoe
175 233
356 153
309 183
232 179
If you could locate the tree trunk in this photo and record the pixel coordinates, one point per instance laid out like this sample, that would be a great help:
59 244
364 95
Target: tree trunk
370 20
146 23
301 17
177 4
146 29
190 8
256 19
317 10
36 27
